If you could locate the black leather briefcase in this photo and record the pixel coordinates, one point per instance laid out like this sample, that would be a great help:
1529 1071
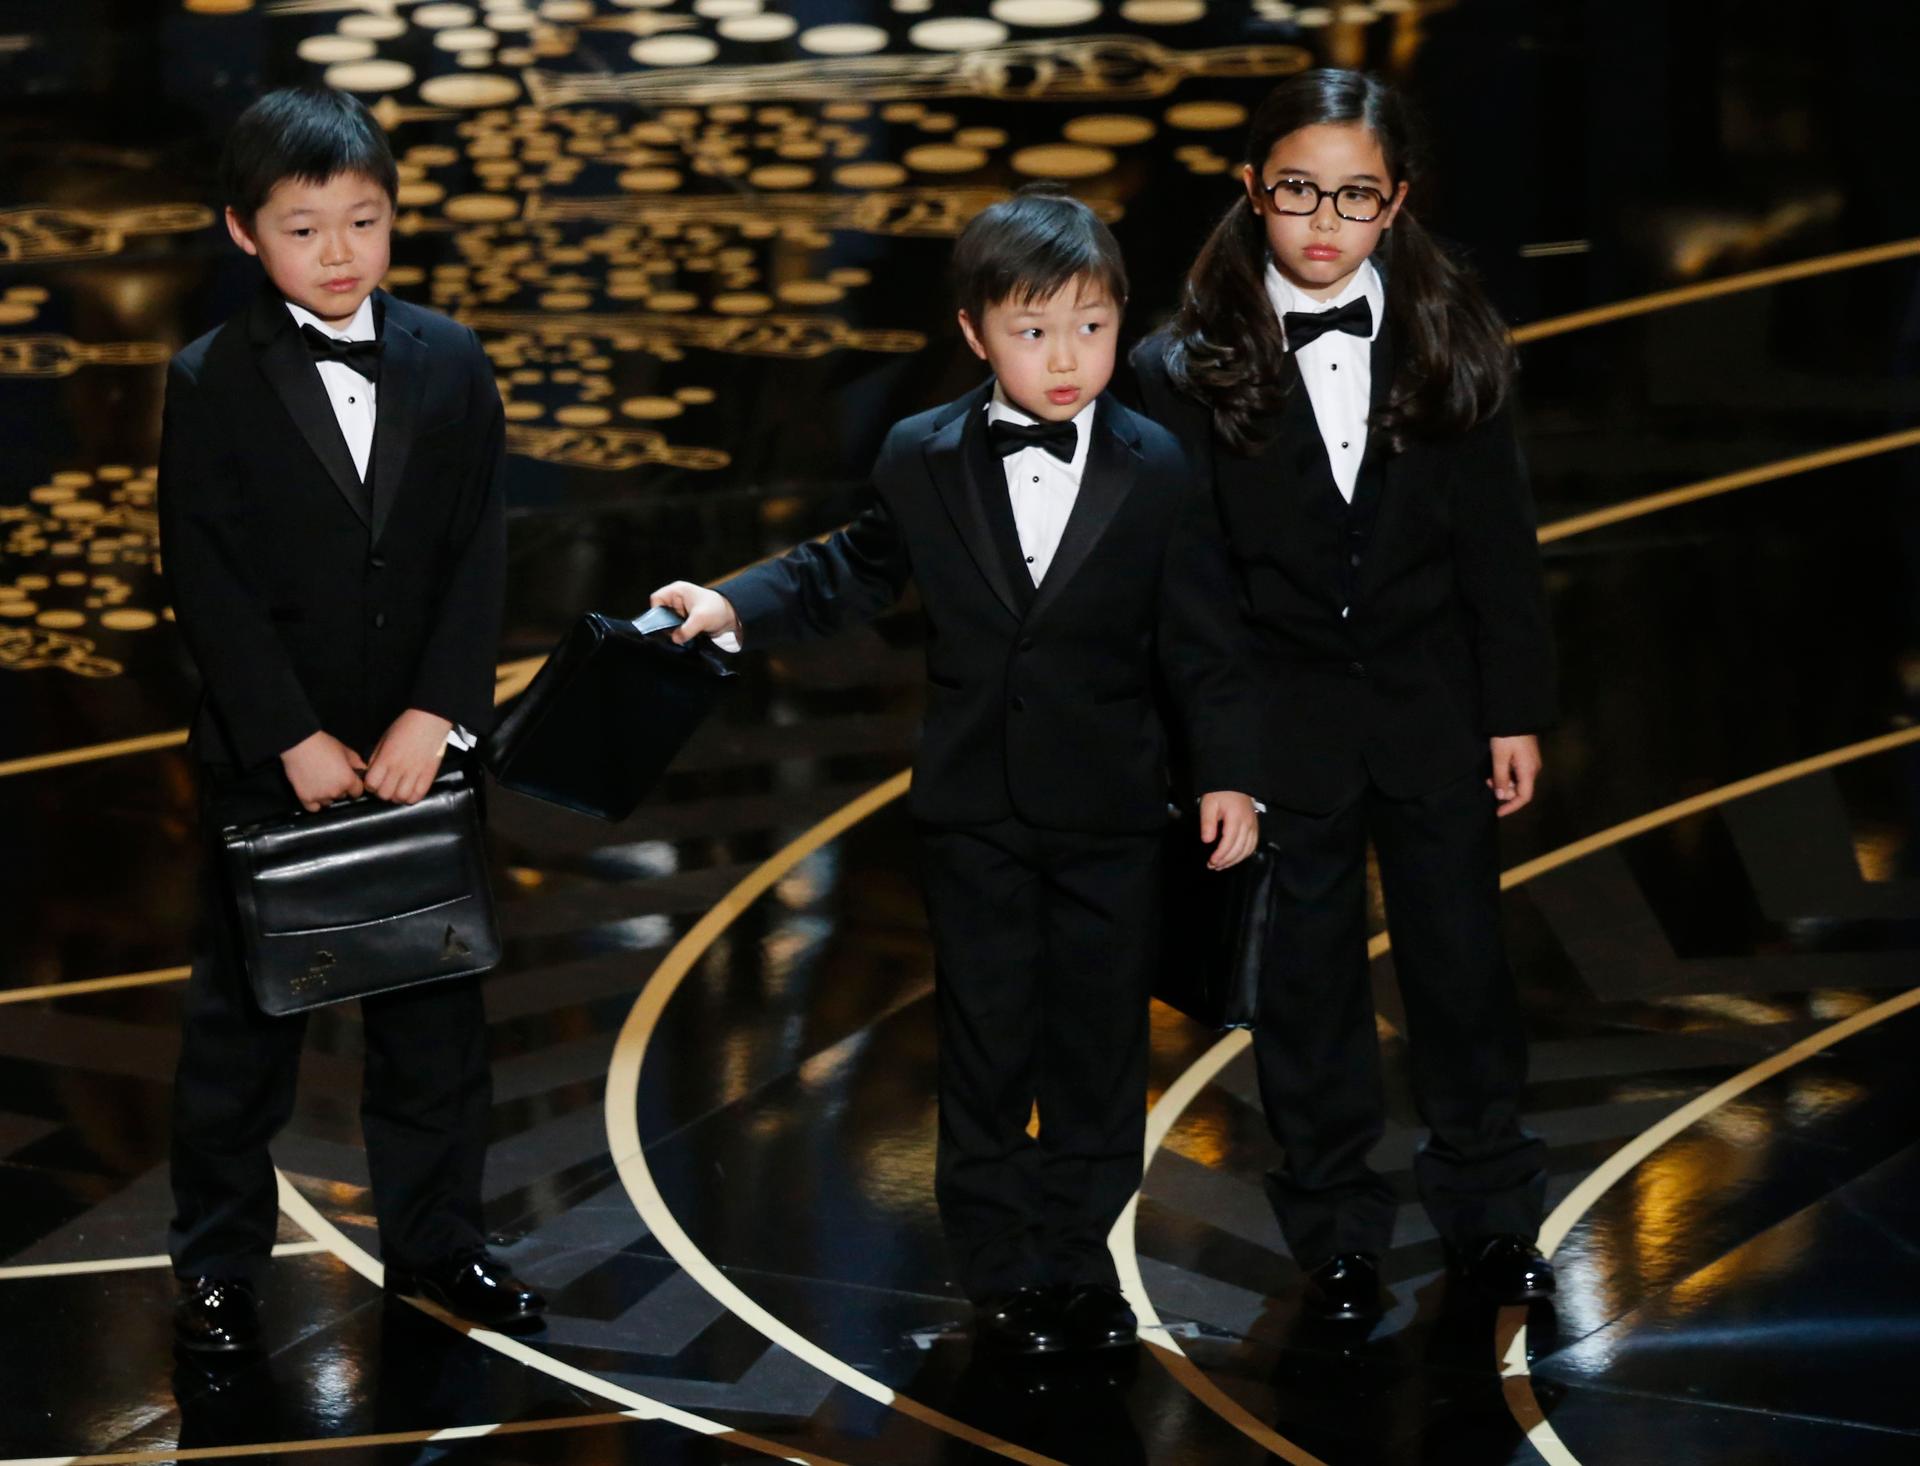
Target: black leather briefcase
364 896
605 716
1215 930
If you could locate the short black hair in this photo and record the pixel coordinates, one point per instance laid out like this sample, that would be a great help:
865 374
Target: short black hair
1028 247
309 133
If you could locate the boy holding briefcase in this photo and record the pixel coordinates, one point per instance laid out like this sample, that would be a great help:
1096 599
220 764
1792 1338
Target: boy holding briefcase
331 519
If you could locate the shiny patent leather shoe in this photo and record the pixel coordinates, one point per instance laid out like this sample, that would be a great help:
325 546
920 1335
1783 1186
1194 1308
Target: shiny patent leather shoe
1345 1288
216 1316
1025 1323
1506 1269
476 1288
1097 1317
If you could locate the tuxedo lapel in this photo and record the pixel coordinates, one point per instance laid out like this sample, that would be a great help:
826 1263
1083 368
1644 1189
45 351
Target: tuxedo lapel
289 369
963 488
1113 463
403 373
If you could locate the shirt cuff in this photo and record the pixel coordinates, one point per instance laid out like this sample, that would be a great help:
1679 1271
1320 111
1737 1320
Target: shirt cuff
727 641
460 738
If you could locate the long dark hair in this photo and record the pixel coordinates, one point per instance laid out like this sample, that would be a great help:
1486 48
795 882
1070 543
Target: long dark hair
1454 359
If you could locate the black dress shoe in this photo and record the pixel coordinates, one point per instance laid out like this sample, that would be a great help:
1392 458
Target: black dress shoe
476 1288
1097 1317
216 1316
1505 1268
1023 1324
1346 1287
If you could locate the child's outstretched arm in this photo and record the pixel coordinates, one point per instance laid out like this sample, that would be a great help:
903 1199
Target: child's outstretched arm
814 590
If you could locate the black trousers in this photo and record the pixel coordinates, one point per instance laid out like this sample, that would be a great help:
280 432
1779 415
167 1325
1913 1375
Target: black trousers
1316 1045
425 1102
1044 946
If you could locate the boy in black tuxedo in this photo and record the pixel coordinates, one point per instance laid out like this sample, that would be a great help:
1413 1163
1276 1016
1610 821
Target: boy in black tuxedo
1048 530
331 519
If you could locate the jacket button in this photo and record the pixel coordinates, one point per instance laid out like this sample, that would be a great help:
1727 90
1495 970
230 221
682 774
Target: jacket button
1353 559
1356 669
379 620
1018 704
378 563
1026 643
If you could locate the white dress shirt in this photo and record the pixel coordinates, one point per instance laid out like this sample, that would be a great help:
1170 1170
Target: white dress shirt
354 398
1041 487
355 408
1337 368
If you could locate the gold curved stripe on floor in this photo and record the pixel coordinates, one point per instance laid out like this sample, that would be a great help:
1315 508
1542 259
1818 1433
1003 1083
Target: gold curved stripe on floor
127 1265
92 752
1766 473
623 1129
1510 1344
1662 300
94 985
331 1443
307 1216
1173 1103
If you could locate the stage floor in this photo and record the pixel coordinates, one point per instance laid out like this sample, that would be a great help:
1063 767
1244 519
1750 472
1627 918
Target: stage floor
704 243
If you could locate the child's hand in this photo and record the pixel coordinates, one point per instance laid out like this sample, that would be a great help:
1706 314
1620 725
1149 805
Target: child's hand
1516 767
322 769
707 612
1232 819
407 757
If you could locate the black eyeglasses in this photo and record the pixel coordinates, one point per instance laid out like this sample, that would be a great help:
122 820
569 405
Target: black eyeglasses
1352 201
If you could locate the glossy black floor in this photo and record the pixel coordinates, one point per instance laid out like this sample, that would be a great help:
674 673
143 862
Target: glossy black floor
709 286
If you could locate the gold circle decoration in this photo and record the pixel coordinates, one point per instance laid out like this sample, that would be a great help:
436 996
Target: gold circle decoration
1205 116
81 509
218 7
781 176
944 158
1063 160
324 50
870 175
469 91
650 180
981 137
651 409
466 38
60 620
373 27
567 11
433 155
128 620
758 27
843 40
674 51
695 396
565 300
1045 12
723 9
419 195
743 303
810 292
1111 130
1163 12
370 76
440 17
18 609
30 294
957 33
582 416
16 313
481 208
673 300
523 411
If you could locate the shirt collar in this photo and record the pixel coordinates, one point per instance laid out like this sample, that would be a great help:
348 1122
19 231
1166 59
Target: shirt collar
1001 410
1286 296
360 328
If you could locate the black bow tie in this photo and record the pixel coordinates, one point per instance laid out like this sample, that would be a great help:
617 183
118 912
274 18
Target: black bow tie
1304 327
1061 439
362 356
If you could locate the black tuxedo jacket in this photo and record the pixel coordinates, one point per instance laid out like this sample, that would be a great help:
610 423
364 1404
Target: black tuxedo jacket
311 600
1445 641
1041 699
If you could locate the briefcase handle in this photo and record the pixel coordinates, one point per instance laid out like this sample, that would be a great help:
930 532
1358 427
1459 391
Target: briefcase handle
456 773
